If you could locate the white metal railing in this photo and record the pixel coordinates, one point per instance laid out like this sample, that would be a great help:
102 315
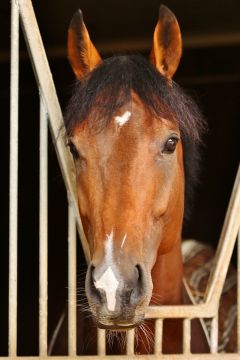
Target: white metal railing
43 230
50 113
13 187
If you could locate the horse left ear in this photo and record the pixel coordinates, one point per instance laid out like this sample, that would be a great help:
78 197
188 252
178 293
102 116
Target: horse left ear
82 54
167 43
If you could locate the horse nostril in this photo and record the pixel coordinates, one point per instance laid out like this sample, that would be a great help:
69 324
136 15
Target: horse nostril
139 274
138 289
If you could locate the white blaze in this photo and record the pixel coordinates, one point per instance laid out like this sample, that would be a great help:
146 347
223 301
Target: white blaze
121 120
108 281
109 248
109 284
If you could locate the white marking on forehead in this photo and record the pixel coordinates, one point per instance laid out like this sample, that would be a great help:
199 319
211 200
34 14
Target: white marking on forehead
121 120
123 241
109 283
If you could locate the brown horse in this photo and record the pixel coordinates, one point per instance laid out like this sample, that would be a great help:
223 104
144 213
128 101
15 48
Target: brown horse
127 124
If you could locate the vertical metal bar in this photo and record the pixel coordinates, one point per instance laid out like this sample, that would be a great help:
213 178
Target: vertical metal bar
186 336
72 264
158 337
101 342
13 186
214 335
130 342
43 230
238 293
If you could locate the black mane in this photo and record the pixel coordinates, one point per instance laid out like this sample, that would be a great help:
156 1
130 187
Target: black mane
110 86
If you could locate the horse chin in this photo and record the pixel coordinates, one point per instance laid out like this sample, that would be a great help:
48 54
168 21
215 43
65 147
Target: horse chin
118 327
120 321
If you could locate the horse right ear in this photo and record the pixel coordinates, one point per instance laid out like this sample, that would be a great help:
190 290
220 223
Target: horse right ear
82 54
167 43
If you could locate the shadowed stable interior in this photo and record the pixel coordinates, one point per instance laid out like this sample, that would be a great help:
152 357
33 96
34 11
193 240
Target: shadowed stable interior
209 70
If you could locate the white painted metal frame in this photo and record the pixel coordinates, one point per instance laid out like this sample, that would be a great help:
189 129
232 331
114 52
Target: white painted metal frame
43 230
13 186
50 113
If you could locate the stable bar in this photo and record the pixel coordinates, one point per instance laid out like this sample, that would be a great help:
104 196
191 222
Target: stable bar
238 291
44 79
43 231
226 244
220 356
214 335
72 268
130 341
101 343
182 311
158 337
13 185
187 336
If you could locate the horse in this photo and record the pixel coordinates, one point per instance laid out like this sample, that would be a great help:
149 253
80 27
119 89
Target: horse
133 134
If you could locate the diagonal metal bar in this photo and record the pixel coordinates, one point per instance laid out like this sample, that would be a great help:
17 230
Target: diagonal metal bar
48 92
225 246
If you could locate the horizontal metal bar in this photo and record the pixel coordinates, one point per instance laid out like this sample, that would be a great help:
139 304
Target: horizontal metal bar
222 356
182 311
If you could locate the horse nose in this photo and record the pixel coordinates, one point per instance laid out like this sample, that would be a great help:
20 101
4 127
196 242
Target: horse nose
115 289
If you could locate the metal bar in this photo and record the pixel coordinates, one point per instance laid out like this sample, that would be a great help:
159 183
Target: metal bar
238 292
214 335
220 356
101 343
187 336
43 231
13 185
225 246
44 79
158 337
130 342
72 266
181 311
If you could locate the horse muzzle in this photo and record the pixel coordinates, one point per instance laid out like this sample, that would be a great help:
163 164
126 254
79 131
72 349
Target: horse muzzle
118 297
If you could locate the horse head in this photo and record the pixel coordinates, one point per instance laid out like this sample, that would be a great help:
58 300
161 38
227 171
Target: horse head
125 124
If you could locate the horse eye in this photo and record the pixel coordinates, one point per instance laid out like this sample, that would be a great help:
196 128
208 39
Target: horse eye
73 150
170 145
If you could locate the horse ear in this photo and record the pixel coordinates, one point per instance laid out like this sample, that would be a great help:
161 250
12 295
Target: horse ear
167 43
82 54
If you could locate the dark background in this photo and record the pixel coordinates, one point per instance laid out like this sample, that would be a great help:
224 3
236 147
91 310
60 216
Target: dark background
209 71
